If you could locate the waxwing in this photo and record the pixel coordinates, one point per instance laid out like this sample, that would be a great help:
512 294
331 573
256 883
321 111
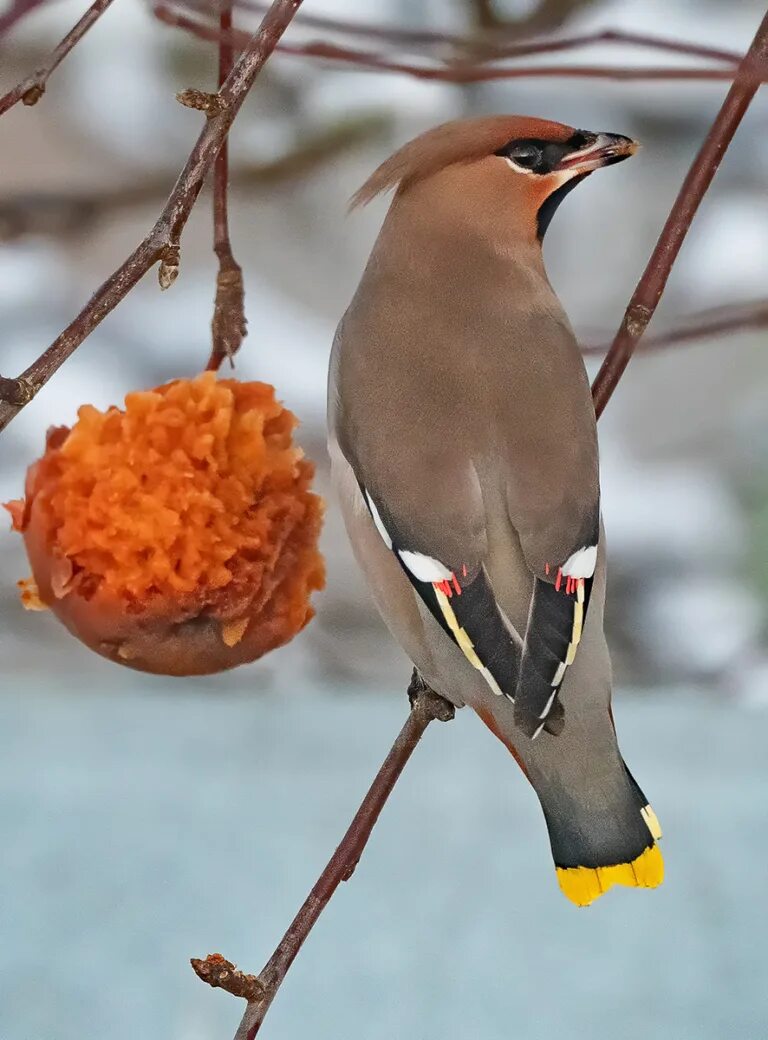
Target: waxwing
464 447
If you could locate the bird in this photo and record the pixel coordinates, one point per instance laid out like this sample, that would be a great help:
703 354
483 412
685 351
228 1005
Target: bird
463 446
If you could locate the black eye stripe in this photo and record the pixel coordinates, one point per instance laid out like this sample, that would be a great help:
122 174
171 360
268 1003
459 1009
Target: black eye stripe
579 140
545 154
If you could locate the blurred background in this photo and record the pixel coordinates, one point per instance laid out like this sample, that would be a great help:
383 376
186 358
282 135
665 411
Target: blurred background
147 820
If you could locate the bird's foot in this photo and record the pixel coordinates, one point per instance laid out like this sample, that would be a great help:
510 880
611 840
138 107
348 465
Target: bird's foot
424 699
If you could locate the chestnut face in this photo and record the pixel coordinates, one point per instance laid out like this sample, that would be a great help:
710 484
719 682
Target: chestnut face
560 165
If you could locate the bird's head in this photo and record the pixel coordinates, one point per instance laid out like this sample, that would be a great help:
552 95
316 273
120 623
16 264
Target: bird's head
498 166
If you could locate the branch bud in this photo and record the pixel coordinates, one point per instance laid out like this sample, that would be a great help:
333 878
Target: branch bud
169 266
211 104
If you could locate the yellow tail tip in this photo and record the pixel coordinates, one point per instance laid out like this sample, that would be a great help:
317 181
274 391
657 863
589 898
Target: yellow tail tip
583 885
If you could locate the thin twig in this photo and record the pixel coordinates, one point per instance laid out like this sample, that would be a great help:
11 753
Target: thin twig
426 706
493 50
228 327
645 299
162 242
491 44
452 72
31 89
715 321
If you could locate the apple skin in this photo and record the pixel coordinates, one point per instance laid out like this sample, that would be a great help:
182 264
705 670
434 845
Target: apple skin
164 638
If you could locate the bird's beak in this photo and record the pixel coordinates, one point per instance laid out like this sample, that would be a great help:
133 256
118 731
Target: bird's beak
604 150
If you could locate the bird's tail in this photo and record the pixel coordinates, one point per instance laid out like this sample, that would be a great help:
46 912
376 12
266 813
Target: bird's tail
598 842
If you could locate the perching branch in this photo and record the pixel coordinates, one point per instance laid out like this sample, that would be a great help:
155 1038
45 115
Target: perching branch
750 74
162 243
426 706
31 89
229 326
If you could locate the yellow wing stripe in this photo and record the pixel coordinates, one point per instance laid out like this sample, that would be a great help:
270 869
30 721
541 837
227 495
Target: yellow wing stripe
465 643
578 623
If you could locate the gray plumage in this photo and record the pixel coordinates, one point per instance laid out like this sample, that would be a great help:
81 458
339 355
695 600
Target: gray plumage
461 430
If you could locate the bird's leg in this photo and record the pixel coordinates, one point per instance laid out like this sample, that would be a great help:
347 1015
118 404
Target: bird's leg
260 990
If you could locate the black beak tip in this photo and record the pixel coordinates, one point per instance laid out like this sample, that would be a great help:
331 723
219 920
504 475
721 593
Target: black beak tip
618 147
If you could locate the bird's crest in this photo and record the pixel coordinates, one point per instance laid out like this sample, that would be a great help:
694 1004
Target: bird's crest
460 141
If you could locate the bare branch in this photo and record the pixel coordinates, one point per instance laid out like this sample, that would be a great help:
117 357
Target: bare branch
31 89
750 74
494 44
715 321
228 327
426 706
453 72
162 242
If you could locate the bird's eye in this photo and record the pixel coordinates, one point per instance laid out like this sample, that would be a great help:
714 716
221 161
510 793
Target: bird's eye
526 155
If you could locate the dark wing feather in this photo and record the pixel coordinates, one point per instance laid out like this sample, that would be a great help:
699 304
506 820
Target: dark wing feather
465 607
552 636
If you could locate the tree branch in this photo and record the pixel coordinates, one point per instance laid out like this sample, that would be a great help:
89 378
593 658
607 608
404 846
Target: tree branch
716 321
31 89
495 44
645 299
228 327
452 72
426 706
162 242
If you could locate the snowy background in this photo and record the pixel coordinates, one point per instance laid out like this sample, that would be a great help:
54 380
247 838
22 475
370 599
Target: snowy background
144 821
